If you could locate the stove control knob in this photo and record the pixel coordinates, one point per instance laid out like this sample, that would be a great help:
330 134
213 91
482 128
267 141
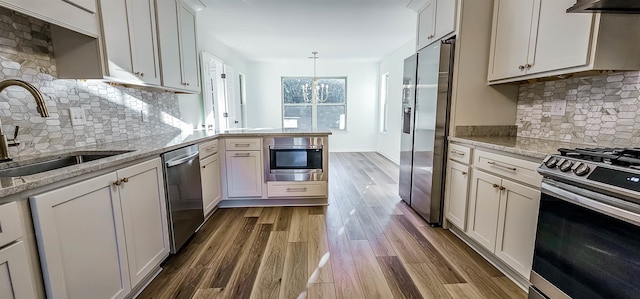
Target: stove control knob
565 165
581 169
551 162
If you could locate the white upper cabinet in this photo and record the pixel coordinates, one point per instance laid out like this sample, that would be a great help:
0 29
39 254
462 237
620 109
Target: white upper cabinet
190 69
510 39
77 15
130 41
178 52
537 38
435 20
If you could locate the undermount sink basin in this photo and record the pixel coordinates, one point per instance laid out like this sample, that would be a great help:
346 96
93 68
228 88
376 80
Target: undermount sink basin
56 162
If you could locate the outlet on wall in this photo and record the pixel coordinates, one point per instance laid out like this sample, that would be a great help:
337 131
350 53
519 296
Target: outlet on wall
78 117
558 107
145 116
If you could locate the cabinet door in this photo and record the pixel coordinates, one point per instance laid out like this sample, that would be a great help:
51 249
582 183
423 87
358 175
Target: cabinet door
445 18
484 204
517 221
117 44
144 212
426 25
142 34
80 240
16 281
456 191
512 21
189 52
562 39
210 173
169 41
87 5
244 173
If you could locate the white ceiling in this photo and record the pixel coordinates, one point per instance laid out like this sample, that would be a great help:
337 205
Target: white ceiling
276 30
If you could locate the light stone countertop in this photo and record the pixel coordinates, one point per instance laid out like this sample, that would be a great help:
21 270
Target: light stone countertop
141 148
526 147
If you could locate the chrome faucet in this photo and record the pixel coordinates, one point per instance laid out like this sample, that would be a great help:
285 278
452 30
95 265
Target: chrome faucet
42 110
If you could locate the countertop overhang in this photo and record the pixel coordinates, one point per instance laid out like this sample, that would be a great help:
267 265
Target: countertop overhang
140 148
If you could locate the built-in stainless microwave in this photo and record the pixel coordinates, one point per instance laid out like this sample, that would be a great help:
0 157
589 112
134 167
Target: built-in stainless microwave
295 159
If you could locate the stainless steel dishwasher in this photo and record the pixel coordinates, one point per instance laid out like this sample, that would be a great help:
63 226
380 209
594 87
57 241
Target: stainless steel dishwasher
184 194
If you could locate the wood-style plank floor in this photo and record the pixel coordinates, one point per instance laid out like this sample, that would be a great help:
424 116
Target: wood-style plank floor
365 244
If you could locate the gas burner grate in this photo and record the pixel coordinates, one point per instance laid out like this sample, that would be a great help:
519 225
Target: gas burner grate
626 157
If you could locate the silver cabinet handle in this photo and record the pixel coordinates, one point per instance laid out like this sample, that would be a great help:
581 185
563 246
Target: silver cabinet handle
243 154
457 152
242 144
501 166
304 189
208 149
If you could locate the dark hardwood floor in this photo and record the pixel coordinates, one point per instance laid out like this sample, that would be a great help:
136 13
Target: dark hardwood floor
365 244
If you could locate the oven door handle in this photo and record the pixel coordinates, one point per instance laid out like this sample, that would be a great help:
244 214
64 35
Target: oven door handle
604 204
294 147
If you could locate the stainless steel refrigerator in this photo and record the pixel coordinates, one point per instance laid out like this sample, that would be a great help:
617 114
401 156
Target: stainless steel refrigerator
426 98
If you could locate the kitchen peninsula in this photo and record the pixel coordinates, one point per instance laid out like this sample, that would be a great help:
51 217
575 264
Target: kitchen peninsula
119 195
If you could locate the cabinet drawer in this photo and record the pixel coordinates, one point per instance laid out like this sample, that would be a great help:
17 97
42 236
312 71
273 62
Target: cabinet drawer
512 168
297 189
459 153
208 148
10 225
245 144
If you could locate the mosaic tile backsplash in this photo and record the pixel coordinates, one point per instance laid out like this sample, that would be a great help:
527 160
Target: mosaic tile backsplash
113 113
600 110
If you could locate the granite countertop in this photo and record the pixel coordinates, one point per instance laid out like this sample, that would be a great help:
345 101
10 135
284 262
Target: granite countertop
139 148
527 147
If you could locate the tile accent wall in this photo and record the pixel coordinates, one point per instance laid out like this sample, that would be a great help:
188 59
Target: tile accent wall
600 110
113 113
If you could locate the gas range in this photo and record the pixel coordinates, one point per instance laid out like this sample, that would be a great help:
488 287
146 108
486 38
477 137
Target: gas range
613 171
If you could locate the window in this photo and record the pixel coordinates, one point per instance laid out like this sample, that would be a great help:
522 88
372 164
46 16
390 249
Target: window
384 98
324 109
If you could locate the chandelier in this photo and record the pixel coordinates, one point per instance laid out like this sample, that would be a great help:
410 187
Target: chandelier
319 92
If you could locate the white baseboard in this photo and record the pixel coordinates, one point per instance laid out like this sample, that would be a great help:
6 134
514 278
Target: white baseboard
351 150
390 159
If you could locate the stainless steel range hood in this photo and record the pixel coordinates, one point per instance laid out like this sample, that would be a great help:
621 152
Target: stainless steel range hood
606 6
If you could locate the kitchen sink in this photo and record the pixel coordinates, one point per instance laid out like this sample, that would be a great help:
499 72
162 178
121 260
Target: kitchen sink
56 162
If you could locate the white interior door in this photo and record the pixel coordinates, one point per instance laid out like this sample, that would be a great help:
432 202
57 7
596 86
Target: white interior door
234 101
213 95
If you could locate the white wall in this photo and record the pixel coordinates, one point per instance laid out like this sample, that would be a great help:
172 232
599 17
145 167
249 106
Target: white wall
191 109
388 144
264 98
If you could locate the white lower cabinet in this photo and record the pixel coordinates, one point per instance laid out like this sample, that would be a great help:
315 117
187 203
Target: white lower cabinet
484 206
503 217
16 281
98 238
210 174
144 213
456 190
244 173
517 222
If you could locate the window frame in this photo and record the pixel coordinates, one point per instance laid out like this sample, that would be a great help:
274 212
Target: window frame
383 104
313 104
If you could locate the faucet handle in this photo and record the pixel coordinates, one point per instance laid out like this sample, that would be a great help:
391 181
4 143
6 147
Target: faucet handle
15 136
